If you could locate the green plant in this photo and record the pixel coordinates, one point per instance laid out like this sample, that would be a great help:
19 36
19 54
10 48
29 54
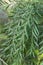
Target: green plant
24 43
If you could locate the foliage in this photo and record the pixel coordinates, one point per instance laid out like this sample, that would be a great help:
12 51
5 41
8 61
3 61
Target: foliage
24 35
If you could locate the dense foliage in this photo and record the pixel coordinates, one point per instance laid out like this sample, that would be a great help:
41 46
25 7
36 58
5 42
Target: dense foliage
21 38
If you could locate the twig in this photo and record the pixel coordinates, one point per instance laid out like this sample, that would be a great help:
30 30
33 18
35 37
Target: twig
3 61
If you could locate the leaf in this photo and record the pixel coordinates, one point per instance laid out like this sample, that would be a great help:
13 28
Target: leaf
3 36
41 63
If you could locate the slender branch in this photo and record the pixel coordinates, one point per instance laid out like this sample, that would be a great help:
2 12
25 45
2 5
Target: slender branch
3 61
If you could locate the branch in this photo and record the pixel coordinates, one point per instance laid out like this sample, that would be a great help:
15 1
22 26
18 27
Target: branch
3 61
